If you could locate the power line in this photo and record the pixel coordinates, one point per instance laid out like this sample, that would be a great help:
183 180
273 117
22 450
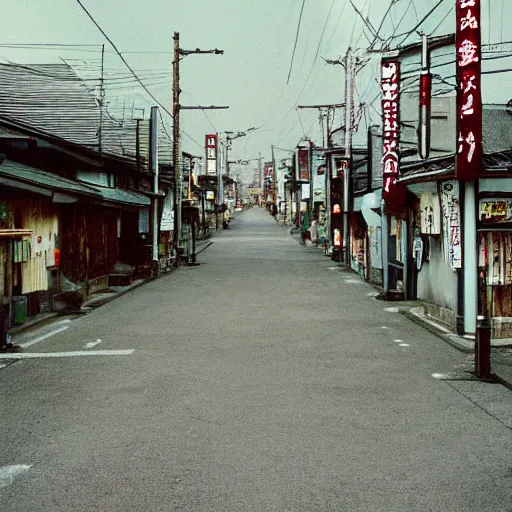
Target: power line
296 40
418 25
391 3
323 30
131 70
121 57
442 20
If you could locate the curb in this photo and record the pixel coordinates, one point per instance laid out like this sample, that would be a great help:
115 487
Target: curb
451 338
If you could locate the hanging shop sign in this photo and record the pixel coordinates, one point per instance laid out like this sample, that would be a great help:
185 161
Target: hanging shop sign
339 166
390 84
211 145
469 94
303 164
167 219
430 214
417 250
451 224
319 166
495 211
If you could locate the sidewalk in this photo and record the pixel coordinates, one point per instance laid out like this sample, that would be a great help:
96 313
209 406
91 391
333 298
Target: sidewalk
96 300
501 350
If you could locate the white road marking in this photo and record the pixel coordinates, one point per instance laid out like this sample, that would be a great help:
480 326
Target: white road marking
7 473
404 345
384 327
439 375
66 321
92 344
76 353
373 294
43 337
398 341
392 310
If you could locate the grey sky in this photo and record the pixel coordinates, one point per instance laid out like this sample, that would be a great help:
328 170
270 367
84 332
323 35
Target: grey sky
257 37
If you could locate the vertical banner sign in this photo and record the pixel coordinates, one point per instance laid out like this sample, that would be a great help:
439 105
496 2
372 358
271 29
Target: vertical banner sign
391 125
469 93
211 154
269 180
319 168
303 164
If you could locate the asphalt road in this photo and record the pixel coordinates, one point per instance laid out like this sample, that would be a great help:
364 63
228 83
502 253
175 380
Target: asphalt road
265 379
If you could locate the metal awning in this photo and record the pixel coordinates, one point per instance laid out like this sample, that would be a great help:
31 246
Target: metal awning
22 176
64 190
122 197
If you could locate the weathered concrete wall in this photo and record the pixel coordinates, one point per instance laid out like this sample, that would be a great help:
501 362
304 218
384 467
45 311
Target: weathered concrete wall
437 282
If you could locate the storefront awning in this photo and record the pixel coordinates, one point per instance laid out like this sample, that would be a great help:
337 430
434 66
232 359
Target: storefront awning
64 190
122 197
369 203
17 175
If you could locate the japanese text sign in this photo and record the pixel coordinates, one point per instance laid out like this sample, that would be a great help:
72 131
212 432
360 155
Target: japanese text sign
303 164
390 85
211 153
469 94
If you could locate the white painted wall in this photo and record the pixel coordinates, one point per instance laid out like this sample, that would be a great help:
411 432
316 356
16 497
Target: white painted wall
437 281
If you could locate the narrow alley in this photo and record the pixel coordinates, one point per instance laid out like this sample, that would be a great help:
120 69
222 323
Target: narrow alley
273 381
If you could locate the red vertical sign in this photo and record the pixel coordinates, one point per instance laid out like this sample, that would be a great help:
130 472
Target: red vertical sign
390 84
469 93
303 164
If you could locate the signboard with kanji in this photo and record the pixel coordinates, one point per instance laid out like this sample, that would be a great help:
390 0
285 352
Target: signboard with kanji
303 164
469 94
390 84
211 154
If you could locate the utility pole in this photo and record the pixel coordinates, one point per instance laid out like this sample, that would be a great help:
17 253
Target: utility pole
176 153
228 143
425 99
102 98
326 137
260 198
176 160
153 131
349 115
274 181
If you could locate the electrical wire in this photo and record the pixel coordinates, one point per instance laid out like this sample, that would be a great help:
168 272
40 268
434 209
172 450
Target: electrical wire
391 3
418 25
121 57
323 30
296 40
442 20
131 70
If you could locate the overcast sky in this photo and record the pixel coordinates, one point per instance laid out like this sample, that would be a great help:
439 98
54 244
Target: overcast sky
257 37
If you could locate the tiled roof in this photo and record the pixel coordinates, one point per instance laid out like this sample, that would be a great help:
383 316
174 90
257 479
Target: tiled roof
52 99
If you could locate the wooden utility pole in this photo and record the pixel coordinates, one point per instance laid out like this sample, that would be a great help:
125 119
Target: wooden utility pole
176 160
176 109
349 121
